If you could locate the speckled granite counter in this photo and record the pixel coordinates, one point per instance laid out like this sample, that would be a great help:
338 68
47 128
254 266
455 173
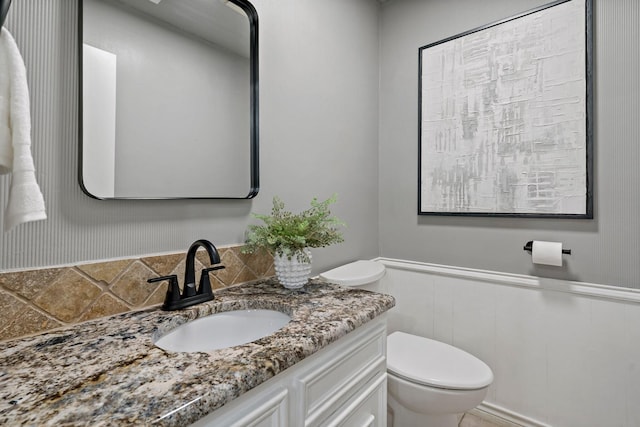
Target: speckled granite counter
108 372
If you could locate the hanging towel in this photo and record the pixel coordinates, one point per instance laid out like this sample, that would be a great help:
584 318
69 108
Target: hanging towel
25 198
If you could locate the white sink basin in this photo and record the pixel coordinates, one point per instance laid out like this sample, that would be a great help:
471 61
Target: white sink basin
222 330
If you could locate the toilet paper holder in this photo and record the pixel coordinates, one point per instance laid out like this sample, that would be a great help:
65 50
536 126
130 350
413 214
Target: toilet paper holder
529 247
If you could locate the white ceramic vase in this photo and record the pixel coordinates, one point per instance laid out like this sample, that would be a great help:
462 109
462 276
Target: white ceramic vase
291 273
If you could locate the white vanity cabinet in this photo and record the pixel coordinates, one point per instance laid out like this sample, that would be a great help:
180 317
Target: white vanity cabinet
343 384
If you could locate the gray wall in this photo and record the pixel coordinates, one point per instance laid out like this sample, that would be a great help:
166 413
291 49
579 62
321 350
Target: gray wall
319 114
319 111
606 250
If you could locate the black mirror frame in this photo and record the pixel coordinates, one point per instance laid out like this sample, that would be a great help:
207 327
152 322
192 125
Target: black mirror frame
252 15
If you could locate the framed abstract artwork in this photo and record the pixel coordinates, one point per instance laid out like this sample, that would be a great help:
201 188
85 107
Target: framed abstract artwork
505 117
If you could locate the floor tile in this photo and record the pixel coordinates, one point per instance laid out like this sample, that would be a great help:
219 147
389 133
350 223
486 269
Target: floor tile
471 420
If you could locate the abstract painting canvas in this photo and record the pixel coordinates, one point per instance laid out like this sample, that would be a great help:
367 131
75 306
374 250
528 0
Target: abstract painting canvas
505 117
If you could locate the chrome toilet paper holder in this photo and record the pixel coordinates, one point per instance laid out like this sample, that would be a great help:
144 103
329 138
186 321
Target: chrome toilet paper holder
529 247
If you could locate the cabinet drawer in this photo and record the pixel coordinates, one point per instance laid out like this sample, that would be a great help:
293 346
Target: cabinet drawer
265 409
350 367
367 409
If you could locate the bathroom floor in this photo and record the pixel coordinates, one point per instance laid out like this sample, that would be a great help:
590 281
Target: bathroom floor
470 420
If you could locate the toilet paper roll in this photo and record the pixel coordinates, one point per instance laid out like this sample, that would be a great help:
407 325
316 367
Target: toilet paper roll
547 253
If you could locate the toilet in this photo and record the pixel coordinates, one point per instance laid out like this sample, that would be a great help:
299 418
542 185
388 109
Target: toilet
429 383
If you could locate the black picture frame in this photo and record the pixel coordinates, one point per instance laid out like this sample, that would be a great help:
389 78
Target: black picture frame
506 117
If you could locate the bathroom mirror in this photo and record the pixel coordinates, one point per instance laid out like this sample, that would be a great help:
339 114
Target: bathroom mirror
168 99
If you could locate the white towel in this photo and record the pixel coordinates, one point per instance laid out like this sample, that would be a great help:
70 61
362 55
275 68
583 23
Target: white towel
25 198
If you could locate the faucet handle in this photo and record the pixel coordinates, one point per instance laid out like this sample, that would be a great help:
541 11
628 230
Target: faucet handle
205 282
173 291
217 267
160 279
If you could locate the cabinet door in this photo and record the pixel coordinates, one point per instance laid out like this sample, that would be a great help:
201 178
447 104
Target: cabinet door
367 409
333 380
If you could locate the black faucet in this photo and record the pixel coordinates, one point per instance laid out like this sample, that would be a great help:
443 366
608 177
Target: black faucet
191 295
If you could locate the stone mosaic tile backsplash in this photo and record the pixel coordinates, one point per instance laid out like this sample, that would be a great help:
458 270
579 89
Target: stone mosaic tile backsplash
33 301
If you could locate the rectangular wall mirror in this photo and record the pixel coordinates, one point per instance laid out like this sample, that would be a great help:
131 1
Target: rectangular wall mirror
168 99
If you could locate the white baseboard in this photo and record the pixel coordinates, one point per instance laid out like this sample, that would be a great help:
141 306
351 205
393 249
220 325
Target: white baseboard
503 417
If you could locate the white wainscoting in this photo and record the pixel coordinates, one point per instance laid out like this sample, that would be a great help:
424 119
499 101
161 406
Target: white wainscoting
564 354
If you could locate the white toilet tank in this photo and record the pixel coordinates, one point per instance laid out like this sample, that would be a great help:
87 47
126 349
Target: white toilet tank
363 274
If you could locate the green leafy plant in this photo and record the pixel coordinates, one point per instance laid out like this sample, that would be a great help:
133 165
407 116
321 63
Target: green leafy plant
287 234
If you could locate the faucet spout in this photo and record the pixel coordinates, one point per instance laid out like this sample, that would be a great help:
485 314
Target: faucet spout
189 296
190 273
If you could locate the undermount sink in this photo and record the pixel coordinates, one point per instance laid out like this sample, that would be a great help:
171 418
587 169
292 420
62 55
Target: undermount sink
222 330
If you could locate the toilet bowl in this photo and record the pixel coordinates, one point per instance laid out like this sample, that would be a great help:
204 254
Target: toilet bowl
430 383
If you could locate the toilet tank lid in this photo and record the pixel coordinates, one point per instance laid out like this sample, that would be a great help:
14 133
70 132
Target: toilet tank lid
355 274
434 363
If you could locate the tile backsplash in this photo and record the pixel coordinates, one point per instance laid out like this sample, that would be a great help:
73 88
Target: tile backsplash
33 301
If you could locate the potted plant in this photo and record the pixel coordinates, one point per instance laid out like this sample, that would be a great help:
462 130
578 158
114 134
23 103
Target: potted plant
288 237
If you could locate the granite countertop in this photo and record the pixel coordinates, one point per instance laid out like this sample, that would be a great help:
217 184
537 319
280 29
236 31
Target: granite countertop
108 371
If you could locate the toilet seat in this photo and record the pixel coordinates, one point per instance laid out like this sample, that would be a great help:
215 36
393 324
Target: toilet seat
435 364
